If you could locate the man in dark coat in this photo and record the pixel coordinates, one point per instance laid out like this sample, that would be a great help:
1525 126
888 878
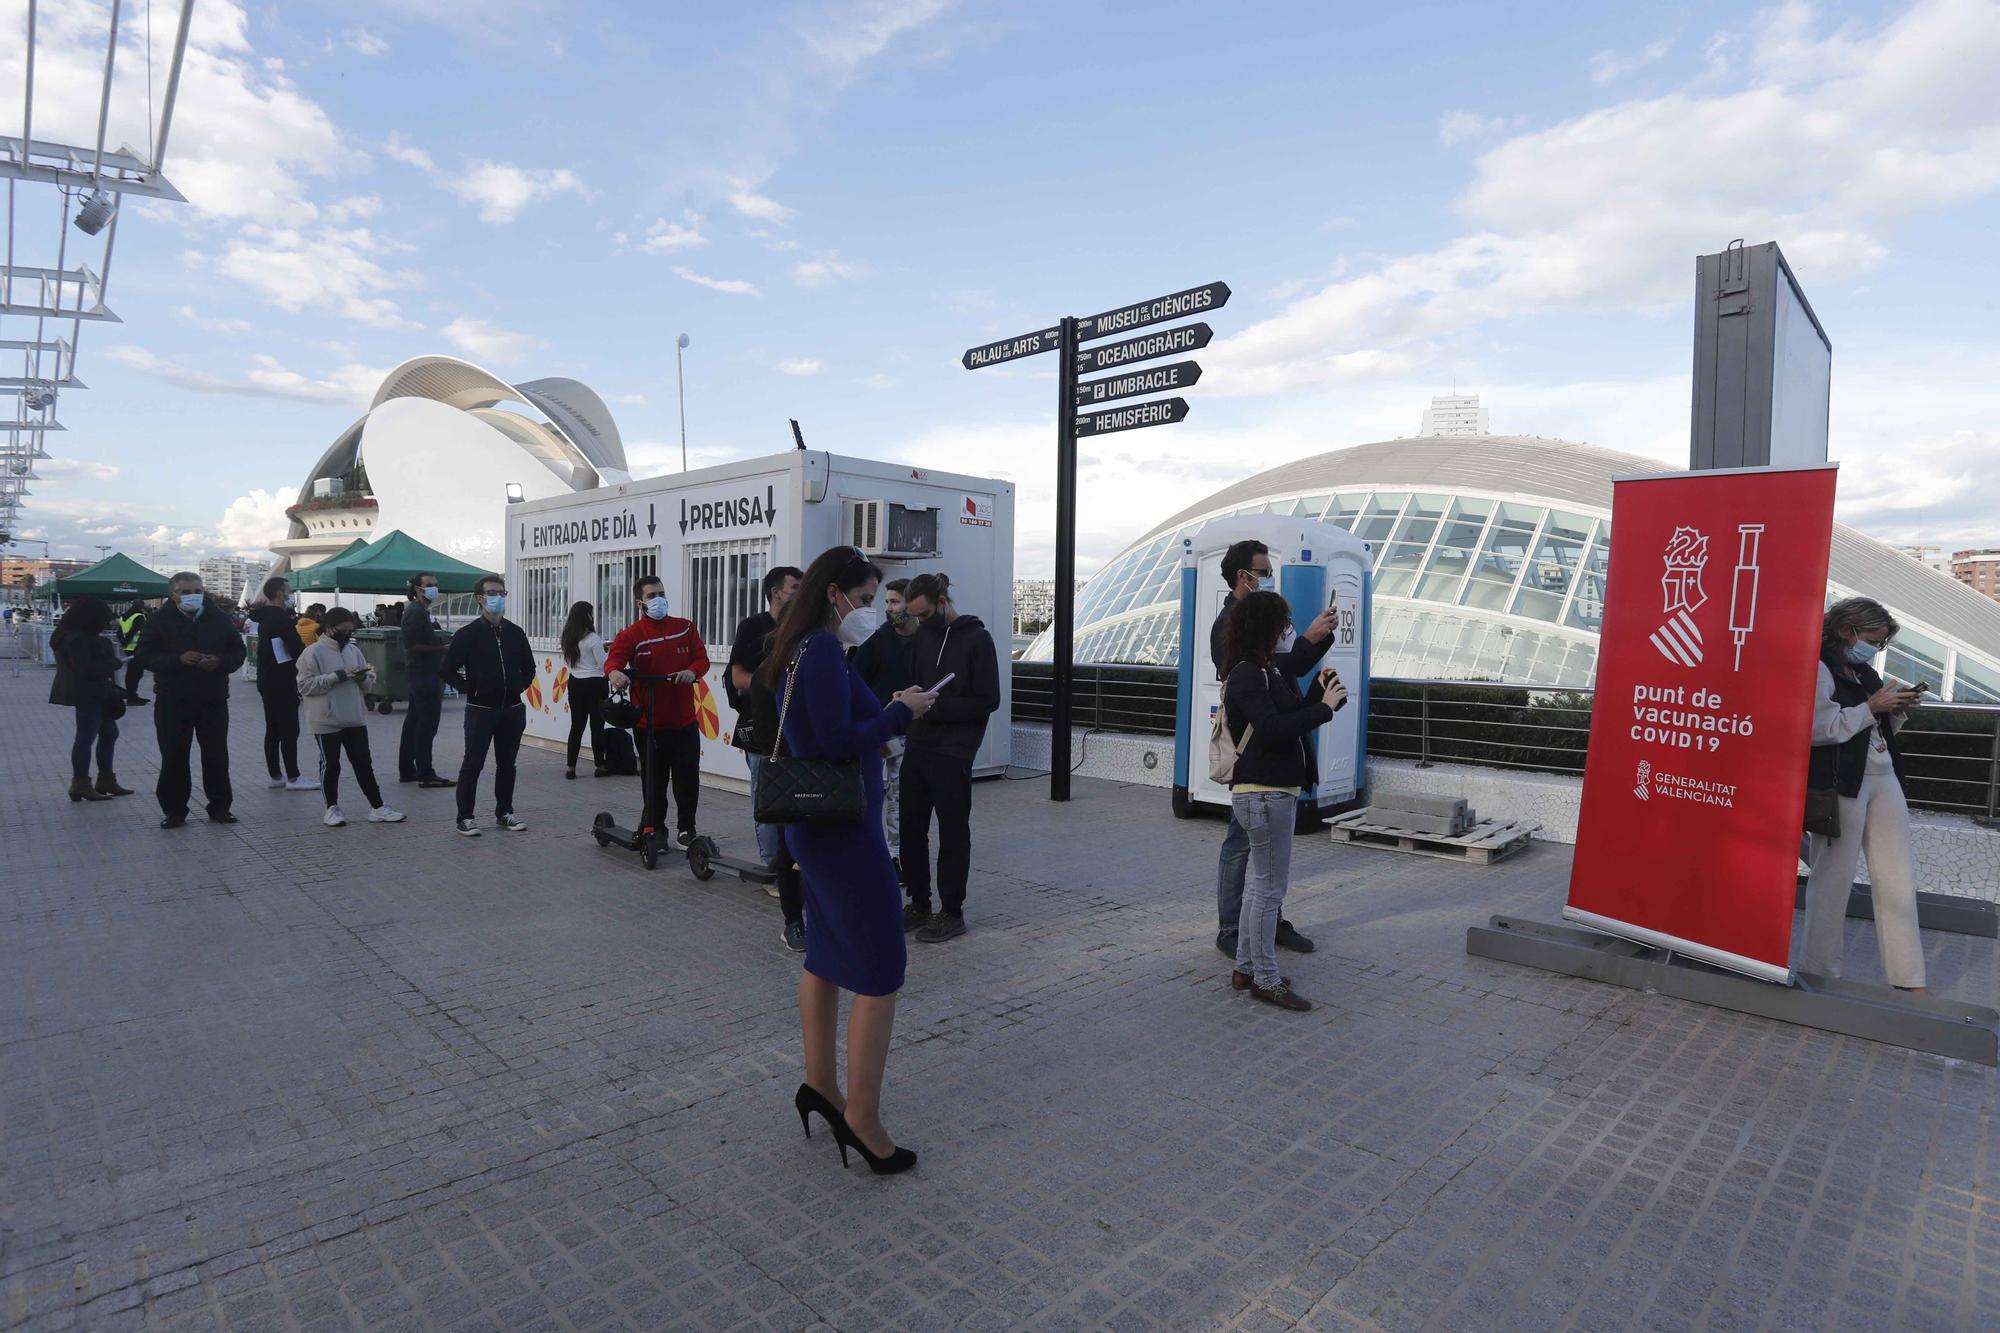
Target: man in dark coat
192 648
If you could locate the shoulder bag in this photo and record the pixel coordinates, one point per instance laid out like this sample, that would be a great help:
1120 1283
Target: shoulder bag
1823 811
1223 749
795 790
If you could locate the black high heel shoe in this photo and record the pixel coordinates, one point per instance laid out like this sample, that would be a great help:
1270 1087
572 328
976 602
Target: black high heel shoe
809 1099
898 1160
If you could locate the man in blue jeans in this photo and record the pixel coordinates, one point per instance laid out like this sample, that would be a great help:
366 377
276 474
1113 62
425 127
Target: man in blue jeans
1246 568
423 653
490 663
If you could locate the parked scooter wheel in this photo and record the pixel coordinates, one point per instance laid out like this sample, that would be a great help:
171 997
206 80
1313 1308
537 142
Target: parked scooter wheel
699 852
598 824
649 852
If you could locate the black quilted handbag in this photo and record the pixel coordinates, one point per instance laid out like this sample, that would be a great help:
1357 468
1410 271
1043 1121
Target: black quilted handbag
792 790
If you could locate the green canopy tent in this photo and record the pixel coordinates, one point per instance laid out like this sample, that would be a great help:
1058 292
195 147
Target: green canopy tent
116 578
324 575
387 566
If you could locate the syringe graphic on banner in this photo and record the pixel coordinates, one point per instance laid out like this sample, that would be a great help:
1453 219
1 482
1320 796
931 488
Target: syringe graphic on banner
1743 595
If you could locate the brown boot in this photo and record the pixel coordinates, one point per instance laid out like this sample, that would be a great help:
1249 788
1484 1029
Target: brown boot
107 782
81 790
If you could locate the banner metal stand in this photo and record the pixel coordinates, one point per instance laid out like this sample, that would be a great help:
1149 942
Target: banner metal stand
1926 1023
1947 912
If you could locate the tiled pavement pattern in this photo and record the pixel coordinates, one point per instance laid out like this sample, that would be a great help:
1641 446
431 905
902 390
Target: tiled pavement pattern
277 1076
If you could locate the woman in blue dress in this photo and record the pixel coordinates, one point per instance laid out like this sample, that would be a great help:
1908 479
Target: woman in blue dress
854 908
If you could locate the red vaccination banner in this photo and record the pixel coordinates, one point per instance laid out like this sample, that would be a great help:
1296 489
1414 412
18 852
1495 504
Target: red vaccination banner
1694 788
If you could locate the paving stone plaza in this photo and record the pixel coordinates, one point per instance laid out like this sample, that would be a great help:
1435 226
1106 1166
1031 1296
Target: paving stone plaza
279 1076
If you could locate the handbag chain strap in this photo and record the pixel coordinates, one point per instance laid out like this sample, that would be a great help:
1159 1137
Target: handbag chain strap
786 706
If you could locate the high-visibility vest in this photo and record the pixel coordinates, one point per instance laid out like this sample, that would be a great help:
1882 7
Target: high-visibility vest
128 631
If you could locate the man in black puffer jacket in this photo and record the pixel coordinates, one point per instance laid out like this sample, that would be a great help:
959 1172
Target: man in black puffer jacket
192 648
490 663
937 763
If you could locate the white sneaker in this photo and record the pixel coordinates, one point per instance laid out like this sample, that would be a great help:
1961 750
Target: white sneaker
468 828
511 824
334 819
302 784
277 784
382 814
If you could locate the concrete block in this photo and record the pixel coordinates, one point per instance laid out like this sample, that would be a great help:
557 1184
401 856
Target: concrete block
1419 803
1443 826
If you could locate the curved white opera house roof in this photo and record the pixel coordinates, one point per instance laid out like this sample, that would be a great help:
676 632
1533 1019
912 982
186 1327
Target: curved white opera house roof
435 454
1489 565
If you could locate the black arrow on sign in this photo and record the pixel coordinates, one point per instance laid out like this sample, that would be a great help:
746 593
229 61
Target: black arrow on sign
1159 412
1009 349
1186 338
1153 379
649 518
524 536
1193 301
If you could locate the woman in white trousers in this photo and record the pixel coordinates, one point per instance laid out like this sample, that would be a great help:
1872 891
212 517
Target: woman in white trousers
1855 720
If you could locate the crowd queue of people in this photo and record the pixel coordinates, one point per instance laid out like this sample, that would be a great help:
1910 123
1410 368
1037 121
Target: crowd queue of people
893 681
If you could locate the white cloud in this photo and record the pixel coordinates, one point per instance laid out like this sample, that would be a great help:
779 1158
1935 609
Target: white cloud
251 522
404 151
356 208
827 270
351 385
1456 127
800 365
664 237
323 268
731 286
1609 66
877 381
1604 211
485 342
848 35
363 42
58 469
753 205
502 190
211 325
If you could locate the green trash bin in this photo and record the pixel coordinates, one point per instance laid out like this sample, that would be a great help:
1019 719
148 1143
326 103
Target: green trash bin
384 650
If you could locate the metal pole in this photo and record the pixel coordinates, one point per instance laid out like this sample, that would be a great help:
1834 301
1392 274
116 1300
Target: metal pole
1063 677
680 392
173 86
104 103
28 95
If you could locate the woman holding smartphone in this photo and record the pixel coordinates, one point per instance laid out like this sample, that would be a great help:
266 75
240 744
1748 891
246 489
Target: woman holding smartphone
1855 755
854 917
1273 727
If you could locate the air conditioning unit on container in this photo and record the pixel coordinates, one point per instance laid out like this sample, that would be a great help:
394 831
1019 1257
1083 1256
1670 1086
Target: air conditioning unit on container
885 528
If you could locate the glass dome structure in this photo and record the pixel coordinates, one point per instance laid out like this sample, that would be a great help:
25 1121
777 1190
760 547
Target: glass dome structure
1490 556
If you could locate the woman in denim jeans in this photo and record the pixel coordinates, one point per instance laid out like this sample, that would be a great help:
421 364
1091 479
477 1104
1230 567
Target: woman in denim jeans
86 680
1273 727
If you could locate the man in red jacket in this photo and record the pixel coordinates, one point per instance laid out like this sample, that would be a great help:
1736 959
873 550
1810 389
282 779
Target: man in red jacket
667 654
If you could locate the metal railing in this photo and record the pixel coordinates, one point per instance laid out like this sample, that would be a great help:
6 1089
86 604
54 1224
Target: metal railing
1951 752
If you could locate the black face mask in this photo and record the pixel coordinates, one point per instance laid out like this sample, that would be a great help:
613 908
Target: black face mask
342 636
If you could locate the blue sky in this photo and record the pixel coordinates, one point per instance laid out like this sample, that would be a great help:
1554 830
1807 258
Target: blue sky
835 199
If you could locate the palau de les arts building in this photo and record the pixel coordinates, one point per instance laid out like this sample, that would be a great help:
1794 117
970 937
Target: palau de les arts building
1489 566
436 453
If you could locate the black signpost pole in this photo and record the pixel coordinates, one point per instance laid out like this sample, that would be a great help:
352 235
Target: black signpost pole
1065 607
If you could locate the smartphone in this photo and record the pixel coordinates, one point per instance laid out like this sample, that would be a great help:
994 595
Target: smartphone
1920 687
947 679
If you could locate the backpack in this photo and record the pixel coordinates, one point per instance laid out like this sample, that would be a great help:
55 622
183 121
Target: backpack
1223 750
620 755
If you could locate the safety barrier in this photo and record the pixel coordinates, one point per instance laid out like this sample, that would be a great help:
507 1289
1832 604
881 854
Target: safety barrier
1951 752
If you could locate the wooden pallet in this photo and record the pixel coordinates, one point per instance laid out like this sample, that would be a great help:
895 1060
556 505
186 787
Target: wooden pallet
1488 840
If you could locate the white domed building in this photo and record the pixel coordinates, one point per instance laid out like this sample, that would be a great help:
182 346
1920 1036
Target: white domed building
439 453
1489 566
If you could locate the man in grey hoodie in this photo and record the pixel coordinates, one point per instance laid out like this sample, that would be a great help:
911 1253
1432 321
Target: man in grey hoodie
332 673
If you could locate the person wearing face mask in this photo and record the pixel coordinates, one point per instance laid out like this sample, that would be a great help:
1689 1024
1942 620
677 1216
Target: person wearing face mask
746 653
274 613
1246 568
490 663
888 663
668 655
333 677
937 765
853 938
191 648
423 653
1856 756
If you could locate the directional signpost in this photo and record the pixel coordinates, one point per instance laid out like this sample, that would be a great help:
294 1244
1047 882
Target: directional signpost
1067 339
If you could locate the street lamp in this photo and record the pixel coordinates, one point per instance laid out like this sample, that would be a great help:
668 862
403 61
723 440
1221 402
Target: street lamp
680 384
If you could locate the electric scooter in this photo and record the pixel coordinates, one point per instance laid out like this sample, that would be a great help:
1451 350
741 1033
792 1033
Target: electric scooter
705 858
648 842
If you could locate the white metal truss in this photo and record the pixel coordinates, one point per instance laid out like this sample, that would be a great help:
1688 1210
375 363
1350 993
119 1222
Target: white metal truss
84 186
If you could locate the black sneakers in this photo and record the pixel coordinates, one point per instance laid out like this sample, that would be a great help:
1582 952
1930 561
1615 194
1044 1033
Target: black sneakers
915 916
1289 938
1225 944
795 936
941 927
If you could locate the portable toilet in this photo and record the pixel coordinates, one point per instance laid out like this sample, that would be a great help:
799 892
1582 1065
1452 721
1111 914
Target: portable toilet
1317 566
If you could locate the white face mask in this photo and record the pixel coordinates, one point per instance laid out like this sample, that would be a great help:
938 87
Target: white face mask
1286 640
858 624
291 601
431 593
191 602
656 607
